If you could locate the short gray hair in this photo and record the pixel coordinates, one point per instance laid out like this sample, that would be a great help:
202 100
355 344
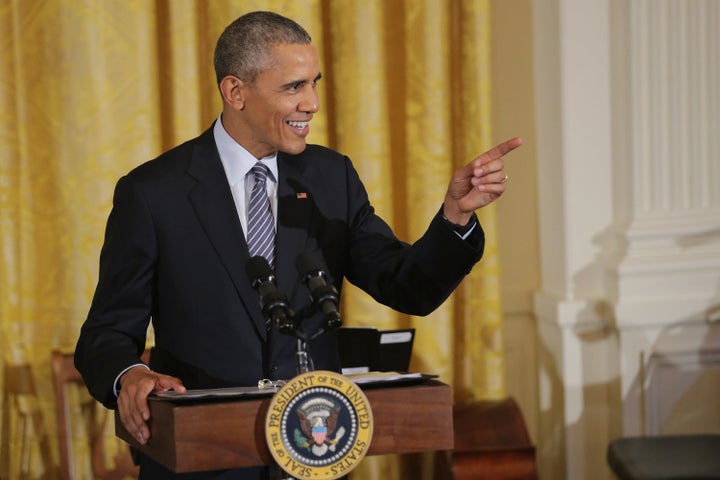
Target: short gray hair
244 48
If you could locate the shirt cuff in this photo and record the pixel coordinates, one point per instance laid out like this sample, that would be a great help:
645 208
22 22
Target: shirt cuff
116 383
465 235
462 231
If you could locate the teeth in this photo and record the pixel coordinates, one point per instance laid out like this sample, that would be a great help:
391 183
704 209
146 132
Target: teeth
298 125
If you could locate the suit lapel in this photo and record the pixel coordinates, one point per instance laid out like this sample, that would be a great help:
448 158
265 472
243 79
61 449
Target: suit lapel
216 212
295 214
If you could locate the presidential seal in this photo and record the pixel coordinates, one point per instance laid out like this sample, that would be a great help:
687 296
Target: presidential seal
318 426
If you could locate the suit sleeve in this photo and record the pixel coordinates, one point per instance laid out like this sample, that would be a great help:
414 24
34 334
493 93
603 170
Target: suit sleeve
114 333
413 279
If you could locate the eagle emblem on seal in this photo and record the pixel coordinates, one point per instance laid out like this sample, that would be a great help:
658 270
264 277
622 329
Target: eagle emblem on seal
318 421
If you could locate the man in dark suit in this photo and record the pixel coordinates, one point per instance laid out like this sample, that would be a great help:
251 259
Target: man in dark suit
175 247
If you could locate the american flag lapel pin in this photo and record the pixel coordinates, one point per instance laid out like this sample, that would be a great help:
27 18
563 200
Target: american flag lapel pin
301 195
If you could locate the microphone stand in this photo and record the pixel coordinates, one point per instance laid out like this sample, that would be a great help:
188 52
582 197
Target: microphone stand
302 357
304 362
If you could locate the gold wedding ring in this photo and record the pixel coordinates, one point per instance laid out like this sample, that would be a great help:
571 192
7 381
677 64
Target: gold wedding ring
504 179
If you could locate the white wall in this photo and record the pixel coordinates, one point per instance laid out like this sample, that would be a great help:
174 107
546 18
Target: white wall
618 239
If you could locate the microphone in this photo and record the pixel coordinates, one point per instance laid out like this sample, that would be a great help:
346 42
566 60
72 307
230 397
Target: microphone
272 302
324 296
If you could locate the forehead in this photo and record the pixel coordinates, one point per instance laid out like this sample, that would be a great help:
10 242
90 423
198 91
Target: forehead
294 59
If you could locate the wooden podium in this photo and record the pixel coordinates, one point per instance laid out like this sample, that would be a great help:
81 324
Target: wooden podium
229 433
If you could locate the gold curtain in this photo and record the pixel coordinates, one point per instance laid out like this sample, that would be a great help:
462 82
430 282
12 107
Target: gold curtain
90 89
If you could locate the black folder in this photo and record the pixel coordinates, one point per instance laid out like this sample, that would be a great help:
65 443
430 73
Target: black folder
366 349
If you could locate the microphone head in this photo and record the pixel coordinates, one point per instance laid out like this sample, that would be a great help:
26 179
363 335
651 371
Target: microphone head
309 263
258 269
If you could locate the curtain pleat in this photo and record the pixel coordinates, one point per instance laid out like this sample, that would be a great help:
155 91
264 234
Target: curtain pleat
89 89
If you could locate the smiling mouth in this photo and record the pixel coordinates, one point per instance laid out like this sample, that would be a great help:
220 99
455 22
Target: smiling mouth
299 126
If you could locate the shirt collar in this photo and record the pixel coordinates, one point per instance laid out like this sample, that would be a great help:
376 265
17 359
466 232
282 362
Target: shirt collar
236 160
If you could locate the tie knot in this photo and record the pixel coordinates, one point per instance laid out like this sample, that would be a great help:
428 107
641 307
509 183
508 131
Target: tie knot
261 171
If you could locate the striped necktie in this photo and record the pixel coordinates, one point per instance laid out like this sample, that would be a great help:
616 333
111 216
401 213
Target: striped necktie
261 225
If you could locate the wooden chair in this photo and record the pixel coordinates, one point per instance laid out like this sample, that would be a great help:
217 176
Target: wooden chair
492 442
23 422
64 375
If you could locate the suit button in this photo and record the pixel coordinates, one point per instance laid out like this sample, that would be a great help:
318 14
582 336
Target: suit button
273 368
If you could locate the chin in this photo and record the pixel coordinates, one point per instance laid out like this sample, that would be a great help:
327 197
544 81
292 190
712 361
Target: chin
293 149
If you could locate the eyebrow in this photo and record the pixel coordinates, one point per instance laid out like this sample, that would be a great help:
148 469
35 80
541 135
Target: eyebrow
299 82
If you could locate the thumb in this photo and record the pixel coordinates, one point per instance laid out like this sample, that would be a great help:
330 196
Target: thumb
166 382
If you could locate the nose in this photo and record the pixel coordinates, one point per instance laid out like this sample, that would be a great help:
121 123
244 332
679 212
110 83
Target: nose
310 102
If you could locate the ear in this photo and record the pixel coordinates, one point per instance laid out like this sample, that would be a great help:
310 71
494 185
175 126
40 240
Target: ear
232 90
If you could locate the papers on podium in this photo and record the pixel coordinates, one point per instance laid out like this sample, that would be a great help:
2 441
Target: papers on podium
386 377
361 379
210 393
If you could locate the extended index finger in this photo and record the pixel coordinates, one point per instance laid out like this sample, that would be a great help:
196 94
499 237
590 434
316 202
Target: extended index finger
500 150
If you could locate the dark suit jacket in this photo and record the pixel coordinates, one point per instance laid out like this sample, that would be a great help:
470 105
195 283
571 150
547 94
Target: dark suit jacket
175 253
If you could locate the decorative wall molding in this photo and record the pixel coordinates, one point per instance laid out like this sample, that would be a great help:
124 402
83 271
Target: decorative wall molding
668 60
674 71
